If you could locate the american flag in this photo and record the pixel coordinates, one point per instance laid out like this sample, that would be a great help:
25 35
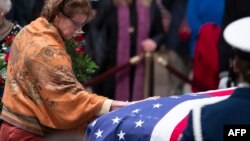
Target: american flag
163 119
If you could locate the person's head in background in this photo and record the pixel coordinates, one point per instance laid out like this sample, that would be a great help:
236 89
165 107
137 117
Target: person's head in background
237 34
68 16
5 6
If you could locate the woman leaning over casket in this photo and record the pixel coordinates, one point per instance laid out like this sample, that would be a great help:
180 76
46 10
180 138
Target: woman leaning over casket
42 95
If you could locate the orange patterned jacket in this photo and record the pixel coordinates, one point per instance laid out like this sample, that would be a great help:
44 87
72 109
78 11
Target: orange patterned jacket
41 92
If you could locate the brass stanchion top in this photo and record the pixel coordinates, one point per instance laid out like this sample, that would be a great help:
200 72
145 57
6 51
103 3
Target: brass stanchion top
134 60
148 54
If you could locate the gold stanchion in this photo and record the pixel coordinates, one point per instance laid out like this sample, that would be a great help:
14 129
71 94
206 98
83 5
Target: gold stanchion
148 81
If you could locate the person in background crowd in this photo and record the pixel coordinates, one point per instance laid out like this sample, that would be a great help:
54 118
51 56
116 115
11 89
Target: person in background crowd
127 28
234 9
7 28
204 19
42 95
8 31
207 123
25 11
177 47
201 12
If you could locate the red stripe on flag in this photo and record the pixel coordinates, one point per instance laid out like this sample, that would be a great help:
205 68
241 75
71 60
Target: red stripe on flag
179 129
221 92
183 123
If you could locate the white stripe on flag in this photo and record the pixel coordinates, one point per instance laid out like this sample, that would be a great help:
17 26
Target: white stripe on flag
165 127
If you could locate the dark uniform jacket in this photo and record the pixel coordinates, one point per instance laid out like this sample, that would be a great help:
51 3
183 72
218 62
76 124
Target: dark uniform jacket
233 110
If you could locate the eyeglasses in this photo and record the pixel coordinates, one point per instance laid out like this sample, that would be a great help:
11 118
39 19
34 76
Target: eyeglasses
77 25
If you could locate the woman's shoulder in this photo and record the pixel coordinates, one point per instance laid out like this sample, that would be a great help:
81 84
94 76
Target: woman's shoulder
41 30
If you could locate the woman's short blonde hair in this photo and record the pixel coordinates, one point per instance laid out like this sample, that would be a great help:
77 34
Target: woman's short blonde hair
5 6
70 7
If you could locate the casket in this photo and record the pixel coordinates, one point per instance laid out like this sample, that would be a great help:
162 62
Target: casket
163 119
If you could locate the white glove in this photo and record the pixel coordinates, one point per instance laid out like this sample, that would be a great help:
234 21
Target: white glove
224 76
223 82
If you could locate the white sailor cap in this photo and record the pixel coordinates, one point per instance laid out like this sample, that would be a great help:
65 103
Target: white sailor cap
237 34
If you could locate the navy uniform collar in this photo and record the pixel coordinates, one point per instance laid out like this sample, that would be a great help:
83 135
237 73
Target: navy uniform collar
242 92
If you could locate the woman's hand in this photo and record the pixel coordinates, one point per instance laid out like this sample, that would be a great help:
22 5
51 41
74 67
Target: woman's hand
118 104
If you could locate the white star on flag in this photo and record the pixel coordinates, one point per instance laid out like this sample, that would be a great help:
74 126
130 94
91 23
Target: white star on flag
139 123
158 105
136 111
99 133
116 120
93 124
121 135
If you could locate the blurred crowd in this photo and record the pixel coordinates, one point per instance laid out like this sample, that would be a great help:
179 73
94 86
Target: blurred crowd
188 31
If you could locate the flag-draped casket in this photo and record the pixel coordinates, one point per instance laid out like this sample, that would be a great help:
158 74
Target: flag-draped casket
163 119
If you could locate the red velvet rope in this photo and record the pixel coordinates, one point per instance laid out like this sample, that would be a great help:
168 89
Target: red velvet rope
106 74
168 67
109 73
186 79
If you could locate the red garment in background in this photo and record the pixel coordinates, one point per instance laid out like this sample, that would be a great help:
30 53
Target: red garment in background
205 67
